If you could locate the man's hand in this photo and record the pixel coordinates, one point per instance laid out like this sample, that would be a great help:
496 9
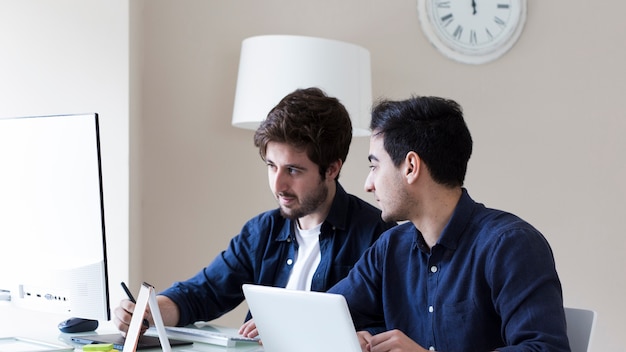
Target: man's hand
388 341
248 329
364 339
123 314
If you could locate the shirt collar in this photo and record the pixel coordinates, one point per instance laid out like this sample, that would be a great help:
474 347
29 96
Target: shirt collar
459 221
452 232
338 215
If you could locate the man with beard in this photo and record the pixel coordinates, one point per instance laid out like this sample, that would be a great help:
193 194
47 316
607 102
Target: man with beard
310 242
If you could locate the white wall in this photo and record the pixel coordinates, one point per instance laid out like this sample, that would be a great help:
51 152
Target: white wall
72 56
547 120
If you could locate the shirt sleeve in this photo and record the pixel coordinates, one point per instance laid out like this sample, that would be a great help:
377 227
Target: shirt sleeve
527 292
216 289
365 304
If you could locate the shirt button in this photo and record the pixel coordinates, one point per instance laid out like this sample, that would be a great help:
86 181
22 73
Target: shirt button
289 261
433 269
431 309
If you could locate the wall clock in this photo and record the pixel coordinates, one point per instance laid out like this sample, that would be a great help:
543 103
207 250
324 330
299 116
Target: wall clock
472 31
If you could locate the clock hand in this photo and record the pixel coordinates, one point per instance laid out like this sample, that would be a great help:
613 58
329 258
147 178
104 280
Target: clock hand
474 6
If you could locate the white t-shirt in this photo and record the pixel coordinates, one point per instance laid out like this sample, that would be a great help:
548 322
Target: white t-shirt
307 258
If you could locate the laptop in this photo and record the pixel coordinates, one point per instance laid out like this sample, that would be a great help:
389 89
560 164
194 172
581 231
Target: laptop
145 342
303 321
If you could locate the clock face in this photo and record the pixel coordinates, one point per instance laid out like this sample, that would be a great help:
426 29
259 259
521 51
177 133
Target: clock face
472 31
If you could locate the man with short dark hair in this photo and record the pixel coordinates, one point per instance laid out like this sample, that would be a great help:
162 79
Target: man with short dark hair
457 276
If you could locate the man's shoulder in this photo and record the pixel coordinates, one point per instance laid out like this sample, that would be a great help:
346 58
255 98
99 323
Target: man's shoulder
479 217
366 213
500 221
363 205
494 229
266 220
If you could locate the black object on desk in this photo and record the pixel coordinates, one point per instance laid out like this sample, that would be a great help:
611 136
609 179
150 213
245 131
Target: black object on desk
72 325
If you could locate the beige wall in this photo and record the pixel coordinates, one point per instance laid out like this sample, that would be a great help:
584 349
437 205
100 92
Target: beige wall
547 120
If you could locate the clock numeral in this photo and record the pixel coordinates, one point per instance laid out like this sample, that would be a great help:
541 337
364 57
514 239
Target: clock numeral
488 33
443 4
457 32
473 39
503 6
499 21
447 19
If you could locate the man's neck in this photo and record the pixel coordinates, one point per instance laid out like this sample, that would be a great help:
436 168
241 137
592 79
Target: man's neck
436 211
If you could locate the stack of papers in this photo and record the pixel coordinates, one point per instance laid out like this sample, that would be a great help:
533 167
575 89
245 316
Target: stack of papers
211 336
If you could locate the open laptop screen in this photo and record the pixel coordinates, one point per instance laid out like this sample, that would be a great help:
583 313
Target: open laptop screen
303 321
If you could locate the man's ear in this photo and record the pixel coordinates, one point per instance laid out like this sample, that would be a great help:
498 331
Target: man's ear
412 166
333 169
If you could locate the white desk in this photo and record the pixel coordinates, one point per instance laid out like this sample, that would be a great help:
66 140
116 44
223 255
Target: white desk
43 327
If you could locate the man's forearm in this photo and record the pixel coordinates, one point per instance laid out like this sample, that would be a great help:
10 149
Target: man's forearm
169 311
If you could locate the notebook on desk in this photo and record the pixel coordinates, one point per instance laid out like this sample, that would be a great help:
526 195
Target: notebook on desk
290 320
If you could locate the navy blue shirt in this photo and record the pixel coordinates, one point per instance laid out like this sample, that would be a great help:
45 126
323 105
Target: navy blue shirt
489 283
264 252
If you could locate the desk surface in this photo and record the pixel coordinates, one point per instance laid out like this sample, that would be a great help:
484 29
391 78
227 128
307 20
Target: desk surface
43 327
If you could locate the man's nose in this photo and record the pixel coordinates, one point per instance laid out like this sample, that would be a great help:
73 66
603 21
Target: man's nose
369 185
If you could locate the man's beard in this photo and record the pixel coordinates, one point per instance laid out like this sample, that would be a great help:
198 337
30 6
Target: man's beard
308 204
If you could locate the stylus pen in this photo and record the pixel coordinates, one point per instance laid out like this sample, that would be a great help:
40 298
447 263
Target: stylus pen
132 299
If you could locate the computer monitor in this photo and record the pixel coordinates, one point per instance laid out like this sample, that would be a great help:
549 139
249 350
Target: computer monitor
52 234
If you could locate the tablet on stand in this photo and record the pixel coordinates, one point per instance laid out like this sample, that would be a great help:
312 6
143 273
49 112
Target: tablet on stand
147 297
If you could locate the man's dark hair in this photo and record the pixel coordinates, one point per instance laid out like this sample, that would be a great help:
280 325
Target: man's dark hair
309 120
433 128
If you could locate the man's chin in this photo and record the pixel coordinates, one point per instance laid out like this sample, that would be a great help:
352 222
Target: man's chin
387 217
288 214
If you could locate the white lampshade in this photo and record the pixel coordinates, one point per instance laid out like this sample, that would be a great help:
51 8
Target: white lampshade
273 66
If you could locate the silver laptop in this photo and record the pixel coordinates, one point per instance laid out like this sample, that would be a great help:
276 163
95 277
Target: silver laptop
290 320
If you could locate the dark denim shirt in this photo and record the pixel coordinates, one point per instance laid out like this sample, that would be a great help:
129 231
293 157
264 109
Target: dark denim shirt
489 283
263 253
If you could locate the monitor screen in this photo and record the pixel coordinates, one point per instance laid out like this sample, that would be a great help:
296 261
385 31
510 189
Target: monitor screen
52 238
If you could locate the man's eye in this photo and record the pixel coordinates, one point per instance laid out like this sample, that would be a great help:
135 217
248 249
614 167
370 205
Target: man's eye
293 171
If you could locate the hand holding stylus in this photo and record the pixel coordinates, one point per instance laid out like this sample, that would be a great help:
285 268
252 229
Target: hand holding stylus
132 299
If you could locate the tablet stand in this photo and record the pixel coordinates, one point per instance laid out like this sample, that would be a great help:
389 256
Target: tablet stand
147 297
